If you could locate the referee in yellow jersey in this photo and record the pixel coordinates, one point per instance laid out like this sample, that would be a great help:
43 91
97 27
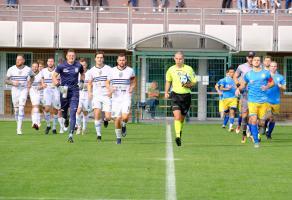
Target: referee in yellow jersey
182 78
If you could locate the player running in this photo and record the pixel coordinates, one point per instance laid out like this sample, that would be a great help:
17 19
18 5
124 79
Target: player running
99 92
69 72
258 82
20 77
274 97
84 105
219 92
239 74
122 83
35 96
182 78
51 97
228 87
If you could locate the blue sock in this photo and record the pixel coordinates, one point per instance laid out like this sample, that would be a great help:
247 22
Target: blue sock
231 121
239 121
226 118
271 128
254 131
249 126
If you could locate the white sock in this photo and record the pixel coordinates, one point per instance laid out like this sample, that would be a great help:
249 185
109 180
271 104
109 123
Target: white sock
20 117
78 120
124 124
38 118
85 118
16 111
118 133
48 118
97 124
34 117
61 122
55 121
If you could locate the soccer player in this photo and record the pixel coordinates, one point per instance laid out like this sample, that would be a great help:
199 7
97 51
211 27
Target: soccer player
228 87
239 74
122 83
258 82
221 110
99 92
51 97
69 72
84 105
274 96
20 77
182 78
267 62
35 97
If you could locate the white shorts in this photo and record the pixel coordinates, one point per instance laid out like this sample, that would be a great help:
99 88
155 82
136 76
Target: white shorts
52 98
35 97
103 103
19 97
120 106
84 104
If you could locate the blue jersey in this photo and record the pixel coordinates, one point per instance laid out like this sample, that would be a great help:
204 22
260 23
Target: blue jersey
69 74
274 93
255 81
226 83
219 83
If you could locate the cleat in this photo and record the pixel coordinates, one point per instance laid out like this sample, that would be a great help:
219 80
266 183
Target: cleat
75 128
98 138
61 131
47 130
180 134
70 140
124 131
84 131
78 131
66 123
231 129
269 138
256 145
178 141
105 123
35 126
237 131
54 131
119 141
65 129
223 126
19 132
243 140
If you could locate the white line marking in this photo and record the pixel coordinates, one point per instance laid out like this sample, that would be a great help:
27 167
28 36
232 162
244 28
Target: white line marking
49 198
170 168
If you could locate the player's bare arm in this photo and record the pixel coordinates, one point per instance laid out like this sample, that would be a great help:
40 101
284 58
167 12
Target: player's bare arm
167 86
132 84
55 80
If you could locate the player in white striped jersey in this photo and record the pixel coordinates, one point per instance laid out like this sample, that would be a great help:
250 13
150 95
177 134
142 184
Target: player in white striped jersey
84 105
122 81
34 93
19 76
99 92
51 97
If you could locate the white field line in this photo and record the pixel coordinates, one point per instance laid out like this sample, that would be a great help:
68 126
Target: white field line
170 168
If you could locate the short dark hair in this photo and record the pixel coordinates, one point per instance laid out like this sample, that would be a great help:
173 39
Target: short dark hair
70 51
51 58
230 68
35 63
269 57
82 60
99 52
40 62
21 55
122 55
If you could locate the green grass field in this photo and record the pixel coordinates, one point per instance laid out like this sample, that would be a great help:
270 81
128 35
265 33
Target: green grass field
211 164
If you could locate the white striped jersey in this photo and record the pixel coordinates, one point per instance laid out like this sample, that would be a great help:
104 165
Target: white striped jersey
37 80
22 75
120 80
99 76
84 91
47 75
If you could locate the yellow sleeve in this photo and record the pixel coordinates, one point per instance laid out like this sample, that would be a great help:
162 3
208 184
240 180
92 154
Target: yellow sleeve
193 76
168 75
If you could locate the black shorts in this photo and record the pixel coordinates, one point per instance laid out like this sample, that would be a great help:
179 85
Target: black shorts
181 102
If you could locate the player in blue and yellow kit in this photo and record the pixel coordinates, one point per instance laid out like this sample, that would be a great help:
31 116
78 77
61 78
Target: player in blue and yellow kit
274 96
228 87
221 110
258 81
69 72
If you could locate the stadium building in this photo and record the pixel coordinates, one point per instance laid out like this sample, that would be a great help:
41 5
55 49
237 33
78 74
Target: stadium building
212 39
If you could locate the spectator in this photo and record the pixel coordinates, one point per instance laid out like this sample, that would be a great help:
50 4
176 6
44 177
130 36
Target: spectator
241 5
252 5
11 3
82 3
160 6
288 4
133 2
153 95
101 5
179 4
226 3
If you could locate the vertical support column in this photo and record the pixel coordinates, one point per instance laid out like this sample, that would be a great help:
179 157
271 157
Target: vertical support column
143 80
134 103
59 57
202 90
2 84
